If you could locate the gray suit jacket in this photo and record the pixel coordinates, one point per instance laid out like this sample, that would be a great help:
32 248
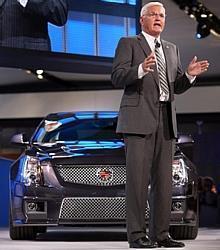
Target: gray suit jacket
139 109
27 27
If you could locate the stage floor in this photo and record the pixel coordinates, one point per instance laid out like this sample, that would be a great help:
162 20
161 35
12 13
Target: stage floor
98 239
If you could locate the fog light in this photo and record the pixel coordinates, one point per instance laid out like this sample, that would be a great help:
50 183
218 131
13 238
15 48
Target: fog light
176 177
32 207
35 207
177 206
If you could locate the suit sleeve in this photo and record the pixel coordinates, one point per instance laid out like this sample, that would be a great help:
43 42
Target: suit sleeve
124 73
53 11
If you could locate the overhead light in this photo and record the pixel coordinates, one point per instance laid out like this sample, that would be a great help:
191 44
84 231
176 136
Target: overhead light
40 77
208 22
203 30
204 15
28 71
39 72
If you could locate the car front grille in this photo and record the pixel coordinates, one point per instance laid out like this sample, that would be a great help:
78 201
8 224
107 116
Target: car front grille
99 175
94 208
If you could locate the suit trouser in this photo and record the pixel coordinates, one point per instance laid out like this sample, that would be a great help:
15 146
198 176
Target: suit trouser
149 158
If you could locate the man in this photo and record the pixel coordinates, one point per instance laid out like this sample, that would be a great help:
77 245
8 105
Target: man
149 69
24 23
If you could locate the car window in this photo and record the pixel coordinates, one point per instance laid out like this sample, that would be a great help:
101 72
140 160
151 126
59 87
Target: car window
91 129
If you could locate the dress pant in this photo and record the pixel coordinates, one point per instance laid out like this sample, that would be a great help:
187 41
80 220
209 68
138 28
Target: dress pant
149 160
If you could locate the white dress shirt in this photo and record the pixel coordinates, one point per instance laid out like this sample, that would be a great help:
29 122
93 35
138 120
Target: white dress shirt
23 2
150 40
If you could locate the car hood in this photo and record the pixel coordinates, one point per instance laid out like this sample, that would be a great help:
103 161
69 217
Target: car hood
82 152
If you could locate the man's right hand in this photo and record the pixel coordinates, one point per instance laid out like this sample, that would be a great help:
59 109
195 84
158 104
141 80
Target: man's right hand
148 63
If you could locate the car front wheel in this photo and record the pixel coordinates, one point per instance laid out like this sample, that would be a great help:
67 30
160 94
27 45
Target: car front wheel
24 233
184 232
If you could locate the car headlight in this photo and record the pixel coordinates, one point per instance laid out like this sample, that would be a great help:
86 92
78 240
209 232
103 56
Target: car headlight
32 172
179 172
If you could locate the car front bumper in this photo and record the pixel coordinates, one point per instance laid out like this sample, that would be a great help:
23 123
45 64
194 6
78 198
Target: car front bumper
50 206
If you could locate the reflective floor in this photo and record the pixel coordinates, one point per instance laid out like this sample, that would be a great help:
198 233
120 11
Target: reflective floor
98 239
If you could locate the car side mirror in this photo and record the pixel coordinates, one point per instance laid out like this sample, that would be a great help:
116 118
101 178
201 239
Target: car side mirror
20 139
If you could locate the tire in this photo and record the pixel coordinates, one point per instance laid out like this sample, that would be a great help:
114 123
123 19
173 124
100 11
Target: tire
184 232
180 232
24 233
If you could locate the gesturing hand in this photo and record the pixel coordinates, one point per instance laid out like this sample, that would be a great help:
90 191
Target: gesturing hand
196 68
148 63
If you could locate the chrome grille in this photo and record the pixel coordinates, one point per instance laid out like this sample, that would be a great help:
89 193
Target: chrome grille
94 208
89 174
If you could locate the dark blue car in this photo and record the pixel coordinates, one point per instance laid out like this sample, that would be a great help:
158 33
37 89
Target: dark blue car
72 172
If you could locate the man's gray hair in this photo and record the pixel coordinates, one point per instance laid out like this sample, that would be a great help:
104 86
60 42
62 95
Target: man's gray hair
146 6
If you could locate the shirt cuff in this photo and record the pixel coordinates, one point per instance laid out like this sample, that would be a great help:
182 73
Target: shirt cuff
191 78
23 2
141 72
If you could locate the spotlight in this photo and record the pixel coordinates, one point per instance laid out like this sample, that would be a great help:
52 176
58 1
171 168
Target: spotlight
203 15
203 30
28 71
39 71
40 77
207 21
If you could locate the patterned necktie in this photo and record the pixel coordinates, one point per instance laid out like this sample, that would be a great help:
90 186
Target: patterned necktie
162 72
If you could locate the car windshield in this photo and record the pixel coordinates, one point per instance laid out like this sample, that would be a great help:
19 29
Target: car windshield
77 130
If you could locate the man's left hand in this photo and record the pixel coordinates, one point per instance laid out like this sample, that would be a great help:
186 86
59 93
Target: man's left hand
196 68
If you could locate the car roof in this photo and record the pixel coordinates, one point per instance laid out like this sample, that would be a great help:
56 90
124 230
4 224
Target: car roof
82 115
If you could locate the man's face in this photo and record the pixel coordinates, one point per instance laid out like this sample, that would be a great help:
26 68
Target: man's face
153 20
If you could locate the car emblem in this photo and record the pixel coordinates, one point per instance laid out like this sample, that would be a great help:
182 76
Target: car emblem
104 175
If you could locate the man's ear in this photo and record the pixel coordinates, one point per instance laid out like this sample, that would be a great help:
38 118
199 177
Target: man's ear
141 20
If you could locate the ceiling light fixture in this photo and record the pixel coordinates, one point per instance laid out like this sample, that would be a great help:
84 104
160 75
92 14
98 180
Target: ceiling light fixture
40 77
207 21
39 71
203 30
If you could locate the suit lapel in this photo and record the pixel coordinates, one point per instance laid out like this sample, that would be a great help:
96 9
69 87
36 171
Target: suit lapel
147 50
144 45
